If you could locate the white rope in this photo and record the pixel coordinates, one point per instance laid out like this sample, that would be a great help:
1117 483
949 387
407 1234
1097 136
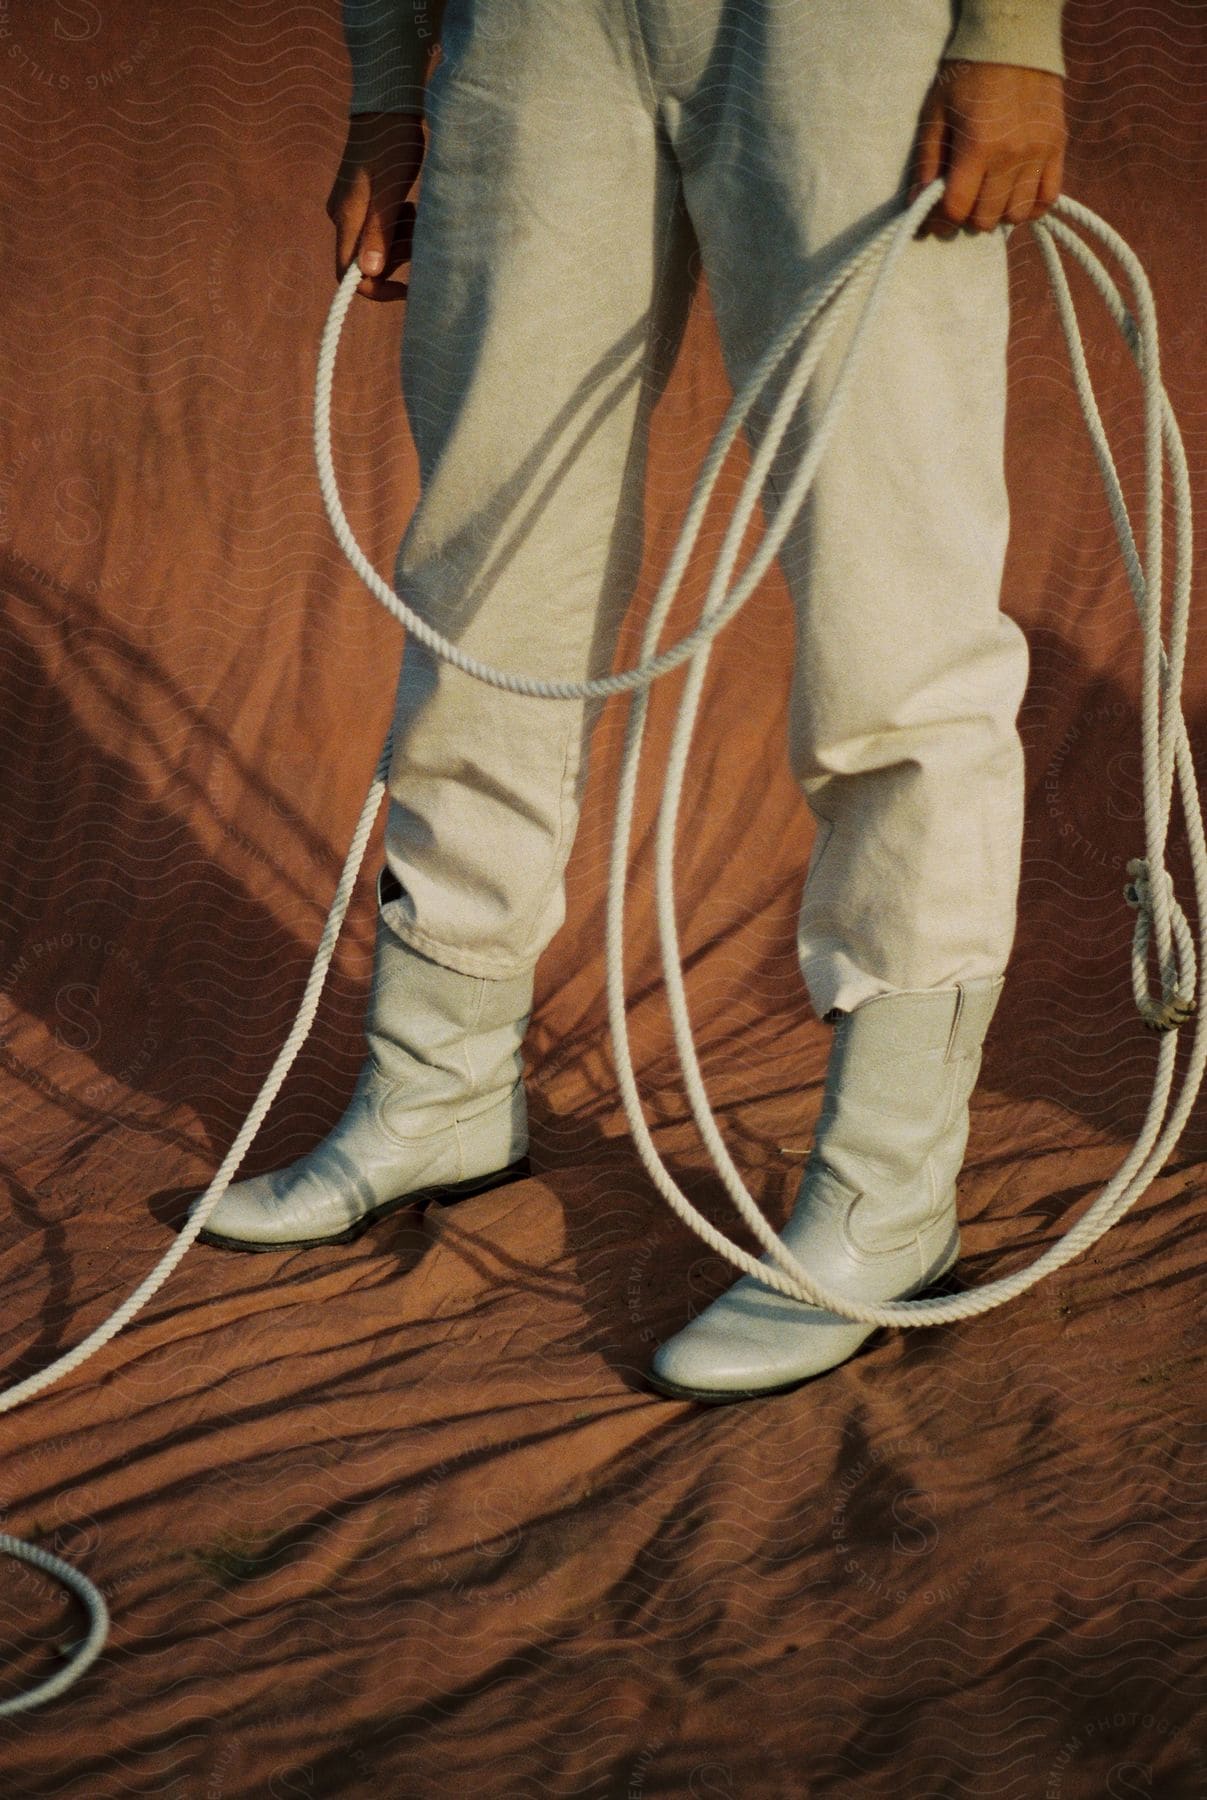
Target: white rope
1177 1002
1165 750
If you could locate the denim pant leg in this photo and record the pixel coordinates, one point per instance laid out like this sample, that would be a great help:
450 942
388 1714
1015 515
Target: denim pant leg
550 283
794 126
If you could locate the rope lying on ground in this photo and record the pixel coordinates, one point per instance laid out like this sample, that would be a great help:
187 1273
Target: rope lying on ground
1164 743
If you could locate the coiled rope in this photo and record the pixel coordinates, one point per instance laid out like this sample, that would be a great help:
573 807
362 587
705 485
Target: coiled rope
1164 744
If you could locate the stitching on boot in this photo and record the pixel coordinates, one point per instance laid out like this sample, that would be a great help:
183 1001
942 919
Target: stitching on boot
938 1208
847 1203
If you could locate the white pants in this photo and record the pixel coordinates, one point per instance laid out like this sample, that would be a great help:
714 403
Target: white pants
580 152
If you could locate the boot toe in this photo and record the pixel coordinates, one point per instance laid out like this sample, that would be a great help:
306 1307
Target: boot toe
752 1341
279 1211
875 1216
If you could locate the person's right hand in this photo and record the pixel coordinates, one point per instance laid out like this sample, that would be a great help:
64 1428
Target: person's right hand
381 160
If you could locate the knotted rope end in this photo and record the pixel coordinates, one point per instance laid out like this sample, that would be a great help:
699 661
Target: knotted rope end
1178 1003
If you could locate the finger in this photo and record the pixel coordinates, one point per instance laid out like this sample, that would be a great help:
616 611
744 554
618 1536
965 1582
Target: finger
400 242
385 239
377 264
346 234
1021 205
928 155
928 160
379 288
993 197
349 217
374 240
964 179
1052 180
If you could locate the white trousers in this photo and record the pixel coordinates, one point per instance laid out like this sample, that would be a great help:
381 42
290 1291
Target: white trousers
586 156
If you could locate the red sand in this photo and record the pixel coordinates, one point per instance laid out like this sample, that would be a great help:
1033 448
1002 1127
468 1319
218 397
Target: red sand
399 1518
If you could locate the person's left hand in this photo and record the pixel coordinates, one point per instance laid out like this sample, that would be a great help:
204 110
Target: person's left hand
997 132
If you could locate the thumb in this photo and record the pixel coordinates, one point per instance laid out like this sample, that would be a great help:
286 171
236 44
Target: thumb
370 254
928 156
377 236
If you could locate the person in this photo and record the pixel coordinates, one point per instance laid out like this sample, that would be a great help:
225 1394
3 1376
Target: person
583 159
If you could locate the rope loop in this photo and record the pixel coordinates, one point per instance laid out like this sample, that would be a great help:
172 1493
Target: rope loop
84 1652
1165 746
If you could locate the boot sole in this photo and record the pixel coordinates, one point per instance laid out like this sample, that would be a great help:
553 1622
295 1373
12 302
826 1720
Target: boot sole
945 1283
449 1190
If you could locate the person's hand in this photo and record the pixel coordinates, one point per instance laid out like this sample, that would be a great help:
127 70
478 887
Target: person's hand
997 132
381 160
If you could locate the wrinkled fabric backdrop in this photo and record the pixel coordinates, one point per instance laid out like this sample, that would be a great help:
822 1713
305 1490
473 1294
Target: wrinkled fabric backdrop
399 1518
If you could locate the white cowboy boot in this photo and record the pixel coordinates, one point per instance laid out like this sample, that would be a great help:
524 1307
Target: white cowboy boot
438 1111
875 1217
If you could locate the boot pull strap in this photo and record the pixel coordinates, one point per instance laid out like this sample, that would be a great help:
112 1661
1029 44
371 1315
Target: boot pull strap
975 1003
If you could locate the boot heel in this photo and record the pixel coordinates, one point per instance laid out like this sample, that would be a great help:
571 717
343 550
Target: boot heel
949 1282
447 1193
946 1278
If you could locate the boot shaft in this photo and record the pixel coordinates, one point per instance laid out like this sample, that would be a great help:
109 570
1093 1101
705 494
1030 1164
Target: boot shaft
442 1039
902 1069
